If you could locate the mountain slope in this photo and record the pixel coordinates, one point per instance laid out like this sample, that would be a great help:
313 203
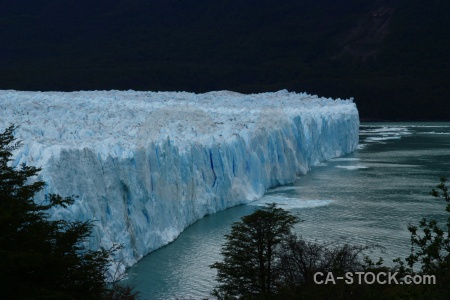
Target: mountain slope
390 55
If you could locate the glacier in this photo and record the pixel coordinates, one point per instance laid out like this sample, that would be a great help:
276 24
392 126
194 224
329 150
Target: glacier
146 165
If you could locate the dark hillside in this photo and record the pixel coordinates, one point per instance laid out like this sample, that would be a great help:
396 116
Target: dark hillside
391 55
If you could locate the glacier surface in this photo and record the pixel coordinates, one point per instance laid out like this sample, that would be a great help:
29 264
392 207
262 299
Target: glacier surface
146 165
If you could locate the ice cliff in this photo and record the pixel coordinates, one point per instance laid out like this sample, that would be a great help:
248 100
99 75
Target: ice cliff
148 164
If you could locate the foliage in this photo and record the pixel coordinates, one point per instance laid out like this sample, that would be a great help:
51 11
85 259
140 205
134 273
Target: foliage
43 258
120 292
300 260
295 262
430 250
250 253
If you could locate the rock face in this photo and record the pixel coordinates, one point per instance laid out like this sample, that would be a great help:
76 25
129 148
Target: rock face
146 165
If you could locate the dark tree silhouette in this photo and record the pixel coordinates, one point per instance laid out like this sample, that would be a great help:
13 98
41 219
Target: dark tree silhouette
249 266
42 258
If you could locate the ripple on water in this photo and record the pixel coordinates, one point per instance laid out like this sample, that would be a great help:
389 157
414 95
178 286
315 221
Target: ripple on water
374 206
286 202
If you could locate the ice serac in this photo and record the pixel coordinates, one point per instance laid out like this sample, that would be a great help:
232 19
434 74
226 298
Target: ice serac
148 164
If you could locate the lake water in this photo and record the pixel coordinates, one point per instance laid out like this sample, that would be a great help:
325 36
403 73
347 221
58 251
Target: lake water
368 196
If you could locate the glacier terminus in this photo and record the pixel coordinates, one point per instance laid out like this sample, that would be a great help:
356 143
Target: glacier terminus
146 165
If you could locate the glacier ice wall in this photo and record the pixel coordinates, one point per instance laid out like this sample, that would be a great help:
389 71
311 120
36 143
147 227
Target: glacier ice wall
146 165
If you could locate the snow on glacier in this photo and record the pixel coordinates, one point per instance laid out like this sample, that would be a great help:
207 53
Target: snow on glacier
146 165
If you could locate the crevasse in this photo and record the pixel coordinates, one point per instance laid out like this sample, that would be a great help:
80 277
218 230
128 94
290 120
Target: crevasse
146 165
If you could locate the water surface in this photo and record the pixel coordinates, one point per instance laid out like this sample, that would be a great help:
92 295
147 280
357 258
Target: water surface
368 196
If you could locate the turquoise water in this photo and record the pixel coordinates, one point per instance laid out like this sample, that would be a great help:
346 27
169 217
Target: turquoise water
368 196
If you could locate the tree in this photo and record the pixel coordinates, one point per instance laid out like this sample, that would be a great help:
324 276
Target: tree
431 249
250 262
294 262
300 260
42 258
